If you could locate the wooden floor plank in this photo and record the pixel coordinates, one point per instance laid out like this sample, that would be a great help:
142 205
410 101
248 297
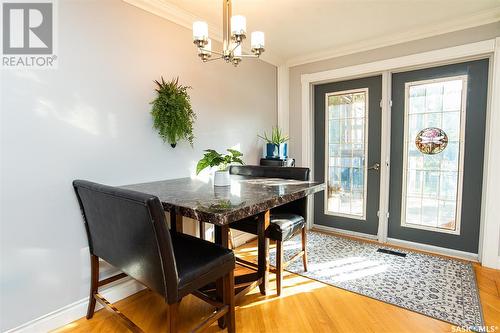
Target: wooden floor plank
304 306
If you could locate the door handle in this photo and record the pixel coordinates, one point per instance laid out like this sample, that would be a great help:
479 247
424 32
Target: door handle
375 166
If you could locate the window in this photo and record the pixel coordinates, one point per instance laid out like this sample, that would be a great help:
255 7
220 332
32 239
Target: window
433 154
346 151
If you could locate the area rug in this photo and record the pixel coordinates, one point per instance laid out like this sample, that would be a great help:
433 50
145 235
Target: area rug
437 287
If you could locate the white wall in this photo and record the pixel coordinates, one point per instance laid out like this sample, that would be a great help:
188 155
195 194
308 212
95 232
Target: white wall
90 119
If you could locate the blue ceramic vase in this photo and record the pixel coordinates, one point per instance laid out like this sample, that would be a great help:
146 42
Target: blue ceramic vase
277 151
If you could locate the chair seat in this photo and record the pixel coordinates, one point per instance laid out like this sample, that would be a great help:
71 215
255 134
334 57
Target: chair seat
199 261
282 226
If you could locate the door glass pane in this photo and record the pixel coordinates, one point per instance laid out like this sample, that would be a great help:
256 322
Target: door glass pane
347 121
433 149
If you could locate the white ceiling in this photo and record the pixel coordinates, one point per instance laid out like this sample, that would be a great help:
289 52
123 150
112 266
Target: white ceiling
301 30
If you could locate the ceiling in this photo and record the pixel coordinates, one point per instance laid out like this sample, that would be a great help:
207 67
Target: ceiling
298 31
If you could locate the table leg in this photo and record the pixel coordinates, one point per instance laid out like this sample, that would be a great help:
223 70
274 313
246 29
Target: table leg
175 221
263 250
202 229
221 238
222 235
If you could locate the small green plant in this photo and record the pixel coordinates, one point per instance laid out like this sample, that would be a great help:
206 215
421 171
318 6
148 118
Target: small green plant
212 158
173 116
277 137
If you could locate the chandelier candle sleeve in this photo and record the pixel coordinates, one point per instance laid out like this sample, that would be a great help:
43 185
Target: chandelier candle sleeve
200 31
205 52
237 51
207 49
237 55
238 25
257 40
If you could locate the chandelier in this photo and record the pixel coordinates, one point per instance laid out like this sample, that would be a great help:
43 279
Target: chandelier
234 32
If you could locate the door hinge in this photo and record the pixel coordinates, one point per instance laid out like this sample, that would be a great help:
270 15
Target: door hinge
382 102
386 214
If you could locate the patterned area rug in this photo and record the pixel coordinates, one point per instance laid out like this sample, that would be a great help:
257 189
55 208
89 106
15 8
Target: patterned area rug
437 287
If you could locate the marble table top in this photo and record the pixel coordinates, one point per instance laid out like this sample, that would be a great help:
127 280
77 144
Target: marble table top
245 197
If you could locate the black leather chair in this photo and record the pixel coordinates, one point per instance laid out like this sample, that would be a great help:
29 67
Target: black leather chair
286 220
128 229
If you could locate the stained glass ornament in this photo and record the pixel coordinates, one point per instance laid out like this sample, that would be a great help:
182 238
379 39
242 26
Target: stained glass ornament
431 140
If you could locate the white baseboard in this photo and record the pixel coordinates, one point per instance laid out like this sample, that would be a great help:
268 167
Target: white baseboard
77 310
434 249
343 232
407 244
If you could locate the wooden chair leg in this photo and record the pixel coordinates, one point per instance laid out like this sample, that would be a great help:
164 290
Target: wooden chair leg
231 240
229 300
94 284
304 248
279 267
173 310
221 295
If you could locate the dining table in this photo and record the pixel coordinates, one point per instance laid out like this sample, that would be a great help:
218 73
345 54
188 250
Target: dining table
199 199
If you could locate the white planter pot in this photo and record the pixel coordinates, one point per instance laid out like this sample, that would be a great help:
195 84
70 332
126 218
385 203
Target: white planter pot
222 178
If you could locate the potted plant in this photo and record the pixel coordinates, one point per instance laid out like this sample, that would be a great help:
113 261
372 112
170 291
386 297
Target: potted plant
173 116
277 146
212 158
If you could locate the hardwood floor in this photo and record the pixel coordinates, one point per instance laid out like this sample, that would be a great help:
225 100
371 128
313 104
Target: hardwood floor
304 306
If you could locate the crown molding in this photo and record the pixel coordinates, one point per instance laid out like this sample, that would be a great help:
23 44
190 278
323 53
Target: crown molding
474 20
184 18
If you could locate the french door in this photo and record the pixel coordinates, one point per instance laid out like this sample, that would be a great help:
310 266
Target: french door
438 118
347 120
437 152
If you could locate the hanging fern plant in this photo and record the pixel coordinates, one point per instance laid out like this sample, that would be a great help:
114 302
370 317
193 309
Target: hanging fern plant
173 116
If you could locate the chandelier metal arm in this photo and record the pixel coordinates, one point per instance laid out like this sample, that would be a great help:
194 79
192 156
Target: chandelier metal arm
212 59
249 56
211 51
235 46
227 12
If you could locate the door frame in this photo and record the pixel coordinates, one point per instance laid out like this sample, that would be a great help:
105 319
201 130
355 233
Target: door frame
490 219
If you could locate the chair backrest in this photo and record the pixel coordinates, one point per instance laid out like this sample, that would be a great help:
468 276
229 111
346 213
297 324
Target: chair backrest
298 206
271 172
128 229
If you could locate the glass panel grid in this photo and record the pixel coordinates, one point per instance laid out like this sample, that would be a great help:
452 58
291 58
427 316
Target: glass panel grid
346 126
432 183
